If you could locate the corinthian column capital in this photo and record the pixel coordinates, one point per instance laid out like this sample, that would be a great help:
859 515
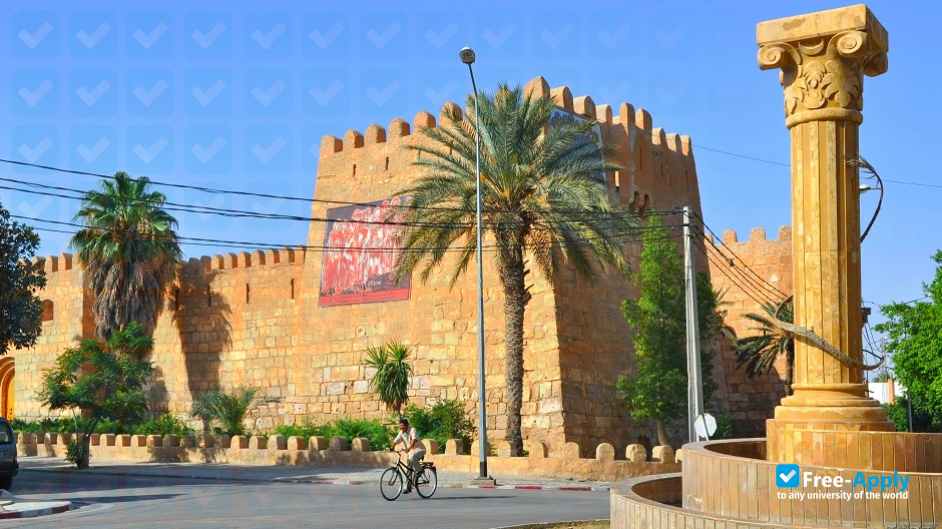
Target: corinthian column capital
823 57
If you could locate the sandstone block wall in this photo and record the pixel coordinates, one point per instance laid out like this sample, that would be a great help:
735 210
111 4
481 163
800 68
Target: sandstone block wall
255 319
751 400
66 318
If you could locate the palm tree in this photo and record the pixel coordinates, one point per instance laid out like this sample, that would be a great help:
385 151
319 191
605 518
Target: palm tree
757 354
541 200
228 409
391 379
129 250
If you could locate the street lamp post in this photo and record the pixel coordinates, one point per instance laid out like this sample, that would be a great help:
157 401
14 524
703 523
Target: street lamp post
467 56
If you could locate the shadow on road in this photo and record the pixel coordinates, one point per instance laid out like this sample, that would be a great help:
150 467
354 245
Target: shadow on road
445 498
125 499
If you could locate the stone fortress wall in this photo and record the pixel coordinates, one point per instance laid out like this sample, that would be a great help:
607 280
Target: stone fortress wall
750 400
257 318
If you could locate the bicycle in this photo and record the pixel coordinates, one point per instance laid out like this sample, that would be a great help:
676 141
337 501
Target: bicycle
392 481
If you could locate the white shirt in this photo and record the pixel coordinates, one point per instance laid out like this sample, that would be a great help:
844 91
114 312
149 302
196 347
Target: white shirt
406 439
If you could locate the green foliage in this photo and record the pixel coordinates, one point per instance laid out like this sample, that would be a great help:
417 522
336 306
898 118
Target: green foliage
543 200
445 420
165 424
76 452
379 434
725 429
898 413
129 250
913 332
161 425
101 381
20 280
226 410
657 388
393 371
757 354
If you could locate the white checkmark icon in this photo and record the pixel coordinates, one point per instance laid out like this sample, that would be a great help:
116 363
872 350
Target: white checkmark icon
786 477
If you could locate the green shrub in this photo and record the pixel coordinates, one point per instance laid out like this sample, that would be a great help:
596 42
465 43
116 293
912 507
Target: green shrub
378 433
899 414
75 452
305 431
445 420
227 409
165 424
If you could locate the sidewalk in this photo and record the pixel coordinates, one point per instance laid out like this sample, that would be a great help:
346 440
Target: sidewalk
286 474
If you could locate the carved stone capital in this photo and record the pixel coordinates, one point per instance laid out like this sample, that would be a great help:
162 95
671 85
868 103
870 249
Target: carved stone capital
823 57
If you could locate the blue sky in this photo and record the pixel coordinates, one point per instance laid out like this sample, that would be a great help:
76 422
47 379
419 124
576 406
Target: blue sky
238 94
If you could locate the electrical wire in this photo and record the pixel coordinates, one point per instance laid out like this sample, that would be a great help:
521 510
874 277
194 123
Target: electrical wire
869 168
762 282
238 213
626 237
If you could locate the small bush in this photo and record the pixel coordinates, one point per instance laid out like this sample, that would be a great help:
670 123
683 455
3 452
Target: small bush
76 453
378 433
227 409
165 424
445 420
305 431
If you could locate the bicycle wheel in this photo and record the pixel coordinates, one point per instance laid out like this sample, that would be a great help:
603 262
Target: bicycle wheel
427 482
391 483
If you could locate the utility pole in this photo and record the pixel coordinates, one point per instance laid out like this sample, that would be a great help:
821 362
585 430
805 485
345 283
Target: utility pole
694 386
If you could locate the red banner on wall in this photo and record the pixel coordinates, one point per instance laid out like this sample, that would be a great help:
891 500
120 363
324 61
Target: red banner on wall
360 257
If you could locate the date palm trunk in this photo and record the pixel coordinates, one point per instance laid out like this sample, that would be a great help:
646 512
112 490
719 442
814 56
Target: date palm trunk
515 301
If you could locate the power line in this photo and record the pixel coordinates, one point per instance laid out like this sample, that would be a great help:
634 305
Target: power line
761 281
238 213
626 237
783 164
735 277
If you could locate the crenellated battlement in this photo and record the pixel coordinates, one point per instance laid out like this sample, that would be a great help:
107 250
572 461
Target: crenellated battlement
583 105
756 234
257 258
656 167
55 263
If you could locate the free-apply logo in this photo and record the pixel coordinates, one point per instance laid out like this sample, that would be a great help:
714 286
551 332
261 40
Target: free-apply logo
787 476
810 485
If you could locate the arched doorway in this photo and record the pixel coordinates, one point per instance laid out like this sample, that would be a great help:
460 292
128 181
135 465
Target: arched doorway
7 389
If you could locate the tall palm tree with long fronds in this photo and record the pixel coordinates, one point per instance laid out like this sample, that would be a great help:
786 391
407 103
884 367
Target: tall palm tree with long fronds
757 354
129 250
542 202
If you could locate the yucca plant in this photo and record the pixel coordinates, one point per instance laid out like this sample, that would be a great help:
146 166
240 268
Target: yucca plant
393 371
228 410
543 203
757 354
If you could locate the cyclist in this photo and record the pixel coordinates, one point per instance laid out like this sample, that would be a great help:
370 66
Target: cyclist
411 445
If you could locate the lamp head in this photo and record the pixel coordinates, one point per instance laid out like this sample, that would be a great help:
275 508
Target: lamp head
467 55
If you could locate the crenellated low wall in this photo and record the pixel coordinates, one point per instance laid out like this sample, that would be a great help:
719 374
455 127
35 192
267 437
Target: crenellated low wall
320 451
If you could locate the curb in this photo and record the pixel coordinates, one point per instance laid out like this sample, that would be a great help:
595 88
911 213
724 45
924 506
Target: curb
547 524
572 488
31 513
316 481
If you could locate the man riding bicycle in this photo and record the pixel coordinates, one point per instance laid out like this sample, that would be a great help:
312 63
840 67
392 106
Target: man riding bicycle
409 439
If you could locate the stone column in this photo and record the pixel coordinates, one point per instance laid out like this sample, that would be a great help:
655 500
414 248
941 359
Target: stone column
823 57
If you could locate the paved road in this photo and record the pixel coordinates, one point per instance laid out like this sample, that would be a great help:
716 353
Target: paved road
113 502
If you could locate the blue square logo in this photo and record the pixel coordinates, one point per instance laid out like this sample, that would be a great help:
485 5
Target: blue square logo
787 476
